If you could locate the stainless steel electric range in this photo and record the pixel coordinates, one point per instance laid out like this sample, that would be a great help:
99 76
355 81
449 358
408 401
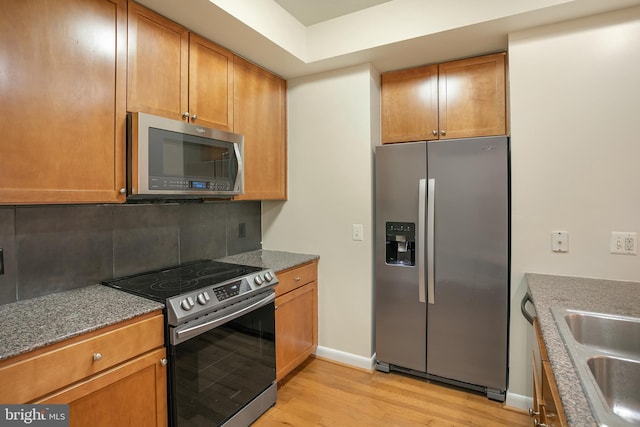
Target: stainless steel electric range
220 337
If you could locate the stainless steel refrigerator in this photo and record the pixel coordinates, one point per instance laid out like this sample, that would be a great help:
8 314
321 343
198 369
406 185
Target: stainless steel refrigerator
442 261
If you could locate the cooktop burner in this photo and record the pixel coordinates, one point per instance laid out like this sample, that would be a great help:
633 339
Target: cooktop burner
193 289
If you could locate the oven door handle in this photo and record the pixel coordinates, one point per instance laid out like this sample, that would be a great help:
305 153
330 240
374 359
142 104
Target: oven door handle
181 335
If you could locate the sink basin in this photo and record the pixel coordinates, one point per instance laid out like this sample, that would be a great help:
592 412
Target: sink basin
618 380
605 350
610 333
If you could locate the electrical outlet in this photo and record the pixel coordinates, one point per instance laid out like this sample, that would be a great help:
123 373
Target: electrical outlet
1 261
357 232
242 229
560 241
623 242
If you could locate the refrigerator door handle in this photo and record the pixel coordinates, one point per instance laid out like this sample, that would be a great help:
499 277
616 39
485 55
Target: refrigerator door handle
431 191
422 196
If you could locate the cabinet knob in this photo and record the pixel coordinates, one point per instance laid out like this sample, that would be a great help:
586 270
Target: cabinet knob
185 115
163 361
194 117
123 191
434 132
533 413
537 423
443 132
297 278
97 357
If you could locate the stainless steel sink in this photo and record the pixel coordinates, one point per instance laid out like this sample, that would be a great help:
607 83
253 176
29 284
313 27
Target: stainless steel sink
618 380
605 350
610 333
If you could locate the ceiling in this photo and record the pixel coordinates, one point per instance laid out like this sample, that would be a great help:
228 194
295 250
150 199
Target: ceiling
310 12
295 38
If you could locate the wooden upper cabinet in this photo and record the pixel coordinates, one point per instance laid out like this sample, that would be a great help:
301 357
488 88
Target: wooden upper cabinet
260 115
472 97
210 84
158 74
62 113
457 99
410 104
177 74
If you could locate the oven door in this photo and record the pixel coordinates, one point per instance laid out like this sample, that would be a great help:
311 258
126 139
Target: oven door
220 363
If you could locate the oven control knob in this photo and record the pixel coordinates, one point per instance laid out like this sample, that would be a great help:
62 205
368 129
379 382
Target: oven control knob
268 276
258 280
203 298
187 303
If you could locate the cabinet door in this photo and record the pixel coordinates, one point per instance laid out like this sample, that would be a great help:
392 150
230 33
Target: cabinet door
260 115
158 64
131 394
62 114
472 98
296 328
410 105
210 84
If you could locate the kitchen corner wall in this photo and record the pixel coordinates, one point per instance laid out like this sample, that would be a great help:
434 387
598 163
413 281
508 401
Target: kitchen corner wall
333 122
575 146
50 249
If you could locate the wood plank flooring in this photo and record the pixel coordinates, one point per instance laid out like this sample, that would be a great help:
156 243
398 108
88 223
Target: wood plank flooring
322 393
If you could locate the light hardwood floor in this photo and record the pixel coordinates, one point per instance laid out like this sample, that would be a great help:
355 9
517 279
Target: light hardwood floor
322 393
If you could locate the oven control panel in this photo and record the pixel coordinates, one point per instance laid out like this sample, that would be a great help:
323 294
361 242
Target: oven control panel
200 302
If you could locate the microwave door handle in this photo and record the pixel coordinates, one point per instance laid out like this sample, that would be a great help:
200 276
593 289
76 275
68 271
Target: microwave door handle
239 186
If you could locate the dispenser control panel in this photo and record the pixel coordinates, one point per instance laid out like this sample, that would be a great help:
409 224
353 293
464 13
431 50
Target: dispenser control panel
401 243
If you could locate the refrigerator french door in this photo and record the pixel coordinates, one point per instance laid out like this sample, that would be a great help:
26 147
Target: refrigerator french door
442 261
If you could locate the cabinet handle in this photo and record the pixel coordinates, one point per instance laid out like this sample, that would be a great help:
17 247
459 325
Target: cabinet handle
434 132
185 115
163 362
194 117
443 132
97 357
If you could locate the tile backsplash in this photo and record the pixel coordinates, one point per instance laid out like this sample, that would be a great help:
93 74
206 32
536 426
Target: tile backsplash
50 249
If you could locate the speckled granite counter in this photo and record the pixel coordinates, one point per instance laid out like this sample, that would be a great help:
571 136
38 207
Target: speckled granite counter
276 260
37 322
604 296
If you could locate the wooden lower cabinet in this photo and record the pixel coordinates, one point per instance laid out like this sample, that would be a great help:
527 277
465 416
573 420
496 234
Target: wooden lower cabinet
547 407
296 317
114 376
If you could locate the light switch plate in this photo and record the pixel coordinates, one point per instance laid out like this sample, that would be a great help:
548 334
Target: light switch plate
623 242
357 232
560 241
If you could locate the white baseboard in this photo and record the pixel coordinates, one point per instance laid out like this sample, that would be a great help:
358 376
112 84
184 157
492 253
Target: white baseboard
361 362
519 401
513 400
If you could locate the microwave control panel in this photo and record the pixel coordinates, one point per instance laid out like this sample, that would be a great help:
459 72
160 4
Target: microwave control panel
172 184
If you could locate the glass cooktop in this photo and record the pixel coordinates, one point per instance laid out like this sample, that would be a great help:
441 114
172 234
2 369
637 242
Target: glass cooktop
161 285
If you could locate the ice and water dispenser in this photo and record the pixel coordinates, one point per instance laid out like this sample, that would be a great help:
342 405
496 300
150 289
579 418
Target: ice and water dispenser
401 243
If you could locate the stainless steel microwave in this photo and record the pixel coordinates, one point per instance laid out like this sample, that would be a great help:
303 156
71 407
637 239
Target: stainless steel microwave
170 159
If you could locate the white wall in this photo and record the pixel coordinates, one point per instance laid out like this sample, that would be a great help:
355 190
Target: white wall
575 126
333 123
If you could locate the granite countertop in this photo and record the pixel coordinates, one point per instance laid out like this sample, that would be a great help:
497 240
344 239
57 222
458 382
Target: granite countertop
37 322
596 295
34 323
275 260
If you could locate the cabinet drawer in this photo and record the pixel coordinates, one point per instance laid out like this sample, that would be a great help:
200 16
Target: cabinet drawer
295 277
46 371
